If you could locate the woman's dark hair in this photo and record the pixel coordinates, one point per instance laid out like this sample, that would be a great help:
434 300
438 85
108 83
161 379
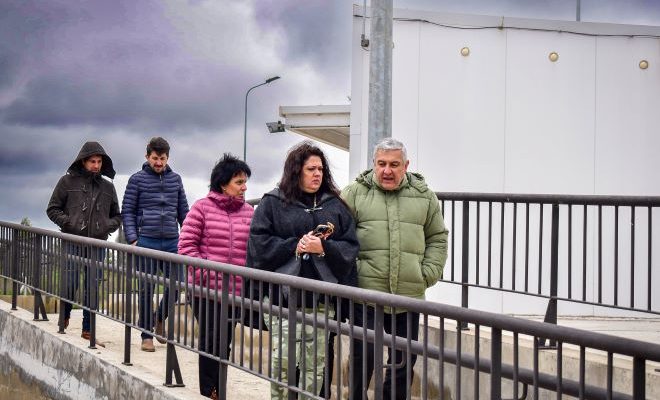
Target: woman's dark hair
290 182
228 167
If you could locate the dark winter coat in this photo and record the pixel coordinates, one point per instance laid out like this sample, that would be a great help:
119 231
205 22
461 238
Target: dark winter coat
84 203
277 226
154 204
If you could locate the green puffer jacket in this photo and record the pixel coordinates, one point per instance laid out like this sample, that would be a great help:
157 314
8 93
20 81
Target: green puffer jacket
402 235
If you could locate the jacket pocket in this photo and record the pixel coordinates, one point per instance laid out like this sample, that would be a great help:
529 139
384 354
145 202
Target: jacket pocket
77 208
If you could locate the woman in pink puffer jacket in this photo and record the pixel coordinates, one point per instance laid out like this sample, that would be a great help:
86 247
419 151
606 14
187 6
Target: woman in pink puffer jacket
217 229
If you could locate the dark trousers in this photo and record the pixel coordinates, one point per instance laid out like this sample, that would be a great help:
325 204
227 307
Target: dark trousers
146 288
362 363
207 313
73 270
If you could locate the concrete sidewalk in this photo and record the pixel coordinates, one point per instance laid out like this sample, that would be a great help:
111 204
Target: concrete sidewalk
148 367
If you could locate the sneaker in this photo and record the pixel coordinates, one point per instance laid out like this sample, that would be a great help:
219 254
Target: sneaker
148 345
160 331
88 335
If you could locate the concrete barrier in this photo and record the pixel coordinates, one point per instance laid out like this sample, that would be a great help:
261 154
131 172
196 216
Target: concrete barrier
54 369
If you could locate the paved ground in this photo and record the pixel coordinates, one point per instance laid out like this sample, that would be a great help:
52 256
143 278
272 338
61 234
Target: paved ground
151 366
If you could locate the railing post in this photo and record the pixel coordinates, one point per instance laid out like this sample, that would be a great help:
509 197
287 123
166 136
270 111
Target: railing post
639 378
38 302
551 312
172 359
128 308
91 290
495 364
291 341
465 260
62 276
224 332
379 330
14 269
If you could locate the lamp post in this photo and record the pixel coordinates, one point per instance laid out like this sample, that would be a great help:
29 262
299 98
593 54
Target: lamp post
269 80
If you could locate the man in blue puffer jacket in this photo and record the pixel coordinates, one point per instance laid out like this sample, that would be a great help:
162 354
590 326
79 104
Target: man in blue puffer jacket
154 207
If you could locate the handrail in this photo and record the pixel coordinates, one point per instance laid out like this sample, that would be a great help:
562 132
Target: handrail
603 200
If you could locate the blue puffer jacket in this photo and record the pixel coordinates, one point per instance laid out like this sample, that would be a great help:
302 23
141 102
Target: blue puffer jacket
154 204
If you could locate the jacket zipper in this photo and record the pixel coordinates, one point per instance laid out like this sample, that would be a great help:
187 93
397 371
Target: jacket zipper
162 208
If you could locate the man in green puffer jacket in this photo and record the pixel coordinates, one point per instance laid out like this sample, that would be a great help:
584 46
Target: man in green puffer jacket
403 248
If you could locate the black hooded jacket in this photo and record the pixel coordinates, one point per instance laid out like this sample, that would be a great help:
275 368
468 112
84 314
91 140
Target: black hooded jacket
83 203
277 226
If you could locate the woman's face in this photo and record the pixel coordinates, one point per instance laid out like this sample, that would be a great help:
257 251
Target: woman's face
311 175
236 186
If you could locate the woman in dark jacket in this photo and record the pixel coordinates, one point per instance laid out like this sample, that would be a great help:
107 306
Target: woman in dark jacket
281 240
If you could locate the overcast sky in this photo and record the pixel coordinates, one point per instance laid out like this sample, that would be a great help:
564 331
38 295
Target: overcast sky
120 72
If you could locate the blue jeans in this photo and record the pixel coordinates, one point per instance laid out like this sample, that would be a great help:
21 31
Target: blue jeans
146 288
72 274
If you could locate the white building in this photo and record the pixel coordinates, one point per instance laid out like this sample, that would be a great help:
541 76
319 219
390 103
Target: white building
510 105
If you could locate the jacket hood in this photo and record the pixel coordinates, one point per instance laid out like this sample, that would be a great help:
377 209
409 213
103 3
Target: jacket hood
277 193
146 167
93 149
412 179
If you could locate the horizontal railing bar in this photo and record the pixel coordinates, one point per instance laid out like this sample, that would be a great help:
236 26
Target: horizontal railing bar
547 296
596 200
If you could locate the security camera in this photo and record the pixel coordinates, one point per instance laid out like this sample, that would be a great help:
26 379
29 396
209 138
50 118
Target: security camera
275 127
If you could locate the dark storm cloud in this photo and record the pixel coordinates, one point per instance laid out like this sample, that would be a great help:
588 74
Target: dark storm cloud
117 67
314 32
121 72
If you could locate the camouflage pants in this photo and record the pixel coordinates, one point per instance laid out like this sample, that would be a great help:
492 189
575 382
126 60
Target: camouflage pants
310 351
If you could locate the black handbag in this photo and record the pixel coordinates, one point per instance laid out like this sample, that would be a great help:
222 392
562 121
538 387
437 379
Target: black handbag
251 317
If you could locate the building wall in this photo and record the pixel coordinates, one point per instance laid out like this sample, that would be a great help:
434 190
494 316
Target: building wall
507 119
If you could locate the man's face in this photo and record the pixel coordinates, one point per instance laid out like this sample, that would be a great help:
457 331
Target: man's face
389 168
93 164
157 162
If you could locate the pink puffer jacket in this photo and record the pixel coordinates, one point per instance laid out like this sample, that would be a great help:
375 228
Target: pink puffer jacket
217 229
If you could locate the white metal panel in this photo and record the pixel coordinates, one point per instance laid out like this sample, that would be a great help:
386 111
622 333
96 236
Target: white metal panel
549 113
405 86
627 117
359 102
461 111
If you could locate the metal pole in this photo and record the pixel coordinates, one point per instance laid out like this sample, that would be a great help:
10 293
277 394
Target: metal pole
465 261
380 73
577 11
269 80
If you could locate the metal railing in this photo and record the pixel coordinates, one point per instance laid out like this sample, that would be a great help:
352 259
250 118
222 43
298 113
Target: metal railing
501 349
556 247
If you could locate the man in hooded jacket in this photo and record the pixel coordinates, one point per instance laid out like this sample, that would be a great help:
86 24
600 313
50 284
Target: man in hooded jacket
83 203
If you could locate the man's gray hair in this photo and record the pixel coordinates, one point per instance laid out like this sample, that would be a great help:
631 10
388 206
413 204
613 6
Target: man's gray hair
389 144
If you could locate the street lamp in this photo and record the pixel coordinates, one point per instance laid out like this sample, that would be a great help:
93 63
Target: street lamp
269 80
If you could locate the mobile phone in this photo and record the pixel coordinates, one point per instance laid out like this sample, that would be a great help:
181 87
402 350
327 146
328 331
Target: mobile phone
321 230
324 229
